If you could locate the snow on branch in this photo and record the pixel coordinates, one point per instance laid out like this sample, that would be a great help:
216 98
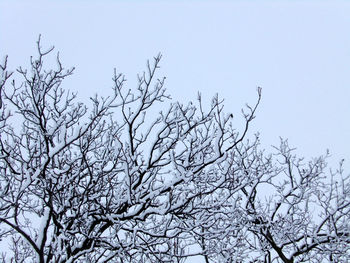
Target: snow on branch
123 181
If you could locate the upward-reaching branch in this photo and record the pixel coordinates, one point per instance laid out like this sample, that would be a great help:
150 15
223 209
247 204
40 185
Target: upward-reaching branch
132 179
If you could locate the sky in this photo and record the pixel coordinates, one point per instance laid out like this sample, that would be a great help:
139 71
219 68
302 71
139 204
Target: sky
297 51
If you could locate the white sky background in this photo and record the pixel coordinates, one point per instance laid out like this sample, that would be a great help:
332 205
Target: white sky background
297 51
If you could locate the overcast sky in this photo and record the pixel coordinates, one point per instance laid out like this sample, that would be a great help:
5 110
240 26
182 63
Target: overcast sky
297 51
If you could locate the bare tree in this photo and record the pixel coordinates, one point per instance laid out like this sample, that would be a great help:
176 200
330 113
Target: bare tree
106 188
114 182
296 211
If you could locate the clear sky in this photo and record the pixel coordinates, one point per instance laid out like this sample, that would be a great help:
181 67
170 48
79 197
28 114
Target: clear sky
297 51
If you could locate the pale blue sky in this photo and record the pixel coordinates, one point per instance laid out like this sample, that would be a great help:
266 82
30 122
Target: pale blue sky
297 51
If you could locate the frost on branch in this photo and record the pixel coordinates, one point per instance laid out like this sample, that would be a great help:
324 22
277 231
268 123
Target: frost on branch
115 182
298 211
